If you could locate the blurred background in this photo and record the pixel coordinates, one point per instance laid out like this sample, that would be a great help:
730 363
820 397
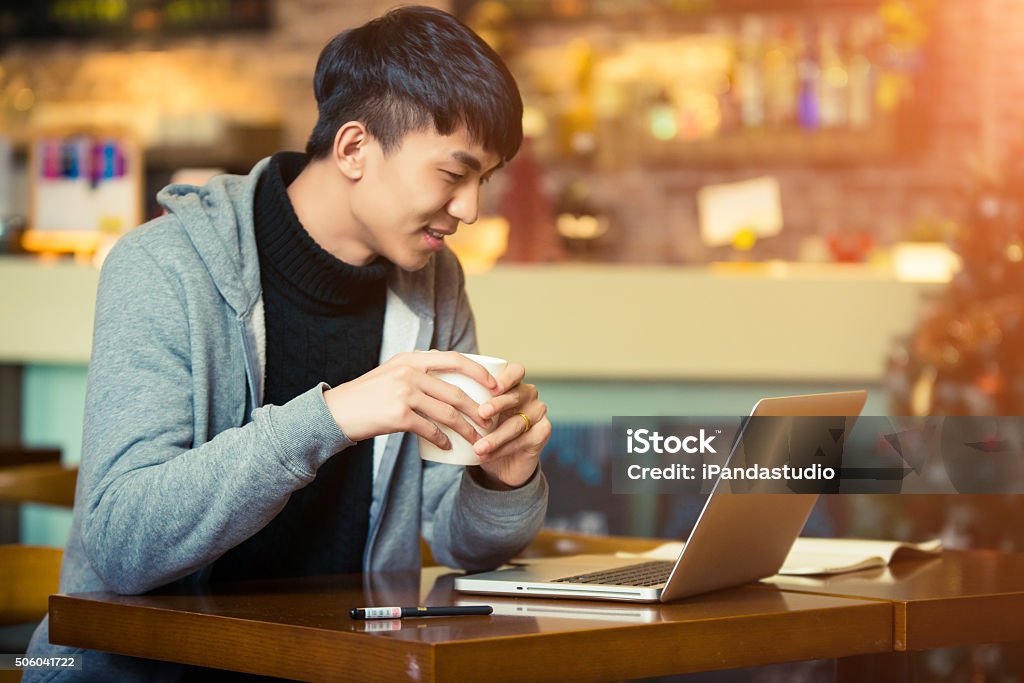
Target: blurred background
717 200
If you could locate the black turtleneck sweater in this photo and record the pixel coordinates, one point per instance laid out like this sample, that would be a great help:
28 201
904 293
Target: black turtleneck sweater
324 321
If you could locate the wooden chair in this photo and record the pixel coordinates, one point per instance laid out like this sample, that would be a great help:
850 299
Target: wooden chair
50 483
29 574
551 543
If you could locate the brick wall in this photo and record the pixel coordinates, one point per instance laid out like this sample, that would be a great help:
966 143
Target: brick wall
976 103
974 98
242 77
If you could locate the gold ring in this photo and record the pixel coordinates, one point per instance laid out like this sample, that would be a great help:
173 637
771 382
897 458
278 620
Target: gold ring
526 419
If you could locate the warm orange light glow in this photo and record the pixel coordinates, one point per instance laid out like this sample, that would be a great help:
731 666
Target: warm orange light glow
61 241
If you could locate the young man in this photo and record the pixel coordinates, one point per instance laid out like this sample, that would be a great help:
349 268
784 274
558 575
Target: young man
259 370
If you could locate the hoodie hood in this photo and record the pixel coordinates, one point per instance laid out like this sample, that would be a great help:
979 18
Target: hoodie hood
218 220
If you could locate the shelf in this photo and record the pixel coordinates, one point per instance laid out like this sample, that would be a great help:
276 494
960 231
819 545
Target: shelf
777 147
634 13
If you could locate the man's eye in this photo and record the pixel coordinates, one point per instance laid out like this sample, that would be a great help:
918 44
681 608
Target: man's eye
454 177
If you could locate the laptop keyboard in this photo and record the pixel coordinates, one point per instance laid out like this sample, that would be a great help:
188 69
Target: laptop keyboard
644 574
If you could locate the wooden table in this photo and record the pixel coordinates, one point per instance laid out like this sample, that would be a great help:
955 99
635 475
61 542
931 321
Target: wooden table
959 598
19 455
300 628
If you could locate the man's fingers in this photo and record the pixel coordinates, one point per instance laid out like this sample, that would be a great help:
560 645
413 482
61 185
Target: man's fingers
531 442
512 428
442 413
453 396
512 375
500 404
429 431
522 395
452 361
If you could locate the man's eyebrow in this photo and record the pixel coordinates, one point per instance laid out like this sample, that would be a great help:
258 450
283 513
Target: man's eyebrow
467 159
474 163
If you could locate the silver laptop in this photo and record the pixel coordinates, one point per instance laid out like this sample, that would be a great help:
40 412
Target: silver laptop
588 611
738 538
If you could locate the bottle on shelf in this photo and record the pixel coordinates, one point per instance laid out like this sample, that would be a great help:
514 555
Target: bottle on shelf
809 99
750 85
780 75
861 90
832 92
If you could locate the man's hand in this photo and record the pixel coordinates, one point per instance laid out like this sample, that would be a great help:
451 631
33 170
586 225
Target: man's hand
399 396
509 455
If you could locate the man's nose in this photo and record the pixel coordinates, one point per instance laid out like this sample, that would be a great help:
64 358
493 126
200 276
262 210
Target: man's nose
465 204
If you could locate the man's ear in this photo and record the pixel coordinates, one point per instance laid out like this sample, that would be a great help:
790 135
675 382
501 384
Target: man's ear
350 147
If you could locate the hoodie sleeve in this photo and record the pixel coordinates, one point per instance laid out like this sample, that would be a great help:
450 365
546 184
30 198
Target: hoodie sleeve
466 524
156 507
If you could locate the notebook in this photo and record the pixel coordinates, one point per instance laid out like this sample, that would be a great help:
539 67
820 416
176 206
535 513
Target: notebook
816 556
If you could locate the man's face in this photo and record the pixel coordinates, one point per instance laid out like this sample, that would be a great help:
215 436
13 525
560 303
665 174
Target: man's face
409 200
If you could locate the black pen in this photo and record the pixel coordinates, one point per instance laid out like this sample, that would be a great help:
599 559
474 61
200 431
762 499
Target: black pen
406 612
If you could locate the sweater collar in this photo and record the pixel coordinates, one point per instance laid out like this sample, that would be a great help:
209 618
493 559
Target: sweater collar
288 250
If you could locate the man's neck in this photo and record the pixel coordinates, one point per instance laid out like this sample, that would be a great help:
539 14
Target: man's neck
314 196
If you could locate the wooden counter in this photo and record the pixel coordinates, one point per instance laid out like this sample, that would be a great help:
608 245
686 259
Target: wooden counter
761 323
772 323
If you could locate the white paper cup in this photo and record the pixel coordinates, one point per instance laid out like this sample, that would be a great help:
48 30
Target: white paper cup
461 452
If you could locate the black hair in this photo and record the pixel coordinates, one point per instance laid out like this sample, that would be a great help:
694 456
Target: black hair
408 68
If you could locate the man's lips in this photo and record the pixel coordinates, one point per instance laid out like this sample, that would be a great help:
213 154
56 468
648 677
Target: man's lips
439 234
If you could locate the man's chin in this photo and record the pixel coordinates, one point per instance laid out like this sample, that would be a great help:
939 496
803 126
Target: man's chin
413 262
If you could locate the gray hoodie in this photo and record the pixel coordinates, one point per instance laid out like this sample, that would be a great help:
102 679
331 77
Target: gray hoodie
180 460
